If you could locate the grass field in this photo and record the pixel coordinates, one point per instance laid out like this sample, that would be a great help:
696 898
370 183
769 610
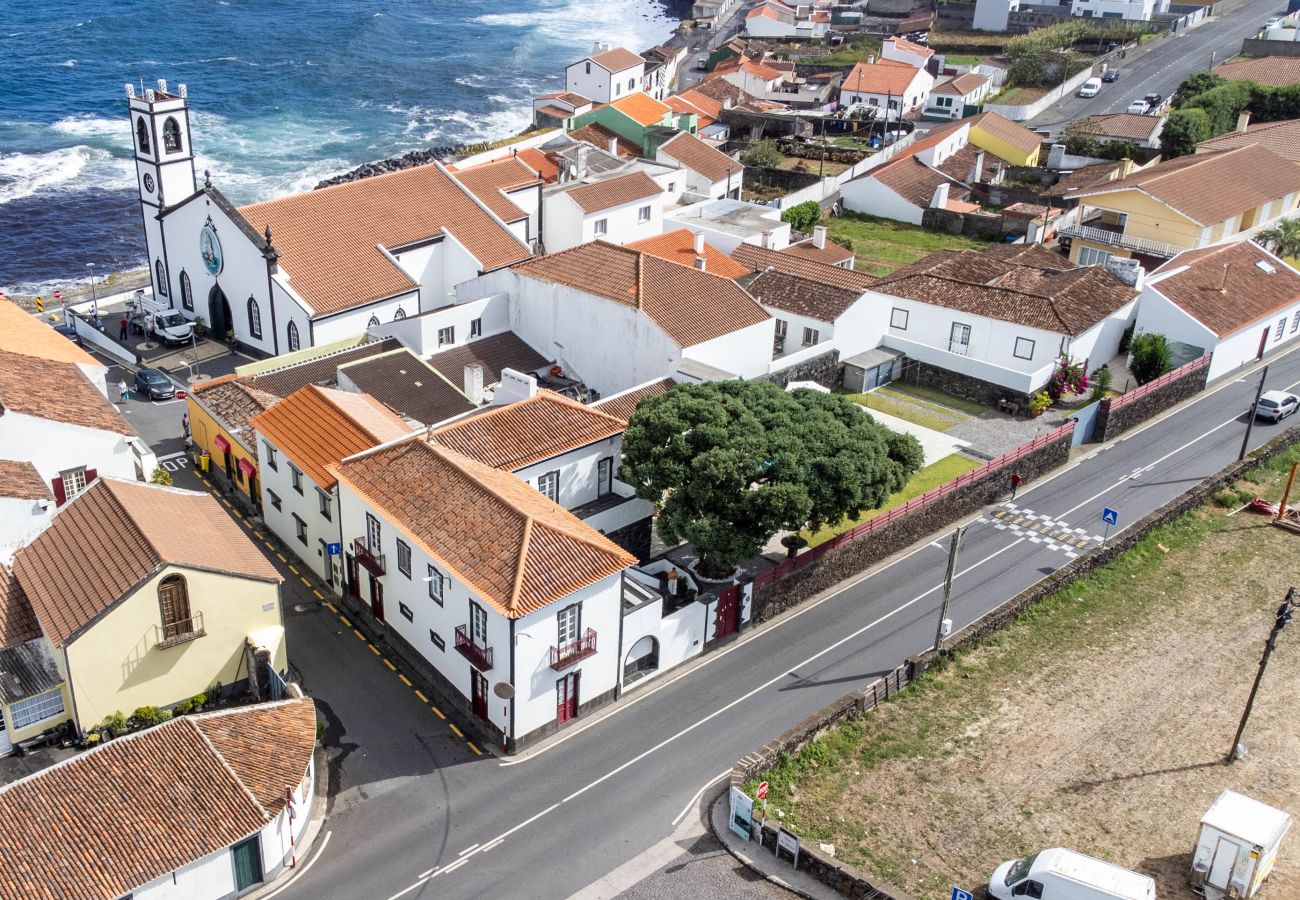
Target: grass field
881 402
922 393
1098 721
930 477
883 245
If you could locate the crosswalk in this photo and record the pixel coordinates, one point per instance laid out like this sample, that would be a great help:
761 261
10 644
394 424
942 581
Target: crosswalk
1041 529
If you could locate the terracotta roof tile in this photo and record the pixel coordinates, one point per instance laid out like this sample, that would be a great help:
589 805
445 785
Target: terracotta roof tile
705 104
915 181
748 66
1128 126
23 333
690 306
720 90
678 246
519 434
1283 138
624 404
599 136
539 162
507 542
568 97
173 795
1032 292
1088 176
1013 133
317 427
961 85
328 239
57 391
320 368
232 403
698 156
1248 292
617 60
961 165
1278 71
1244 178
790 293
884 76
500 351
910 46
490 181
19 480
118 533
757 259
831 254
678 104
611 192
17 620
408 385
642 108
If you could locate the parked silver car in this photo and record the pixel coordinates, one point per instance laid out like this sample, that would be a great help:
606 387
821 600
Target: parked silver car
1276 405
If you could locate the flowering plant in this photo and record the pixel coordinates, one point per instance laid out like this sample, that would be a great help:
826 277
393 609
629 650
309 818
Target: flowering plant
1069 377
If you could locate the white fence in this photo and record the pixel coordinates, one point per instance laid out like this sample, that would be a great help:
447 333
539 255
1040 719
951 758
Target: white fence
92 335
1019 112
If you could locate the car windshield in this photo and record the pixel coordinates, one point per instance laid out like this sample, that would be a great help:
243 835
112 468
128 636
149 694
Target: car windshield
1271 404
154 377
1020 868
171 320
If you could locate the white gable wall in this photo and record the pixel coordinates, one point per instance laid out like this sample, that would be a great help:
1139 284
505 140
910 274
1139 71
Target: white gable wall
596 83
54 447
746 352
279 481
867 195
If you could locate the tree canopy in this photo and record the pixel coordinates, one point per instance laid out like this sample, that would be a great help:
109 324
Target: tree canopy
803 216
731 463
1206 105
1283 238
1149 357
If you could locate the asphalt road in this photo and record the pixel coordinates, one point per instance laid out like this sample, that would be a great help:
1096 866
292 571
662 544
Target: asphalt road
1161 65
417 815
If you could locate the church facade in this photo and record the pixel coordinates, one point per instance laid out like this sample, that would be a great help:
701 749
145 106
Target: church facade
310 268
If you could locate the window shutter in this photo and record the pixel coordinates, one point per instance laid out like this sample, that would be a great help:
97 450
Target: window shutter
60 495
90 476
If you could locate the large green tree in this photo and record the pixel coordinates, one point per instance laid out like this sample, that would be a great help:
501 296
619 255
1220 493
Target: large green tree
1149 357
1184 129
1283 238
731 463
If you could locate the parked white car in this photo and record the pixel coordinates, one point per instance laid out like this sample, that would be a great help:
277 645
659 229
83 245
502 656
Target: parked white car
1140 107
1273 22
1276 405
1060 874
1090 88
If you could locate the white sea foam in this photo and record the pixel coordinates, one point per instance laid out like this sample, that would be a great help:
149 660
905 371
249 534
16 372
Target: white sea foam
471 80
25 174
93 126
68 63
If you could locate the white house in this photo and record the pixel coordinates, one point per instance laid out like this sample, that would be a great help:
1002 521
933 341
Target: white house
726 224
1237 301
607 74
59 421
510 190
774 19
619 209
891 88
224 796
953 96
489 580
912 182
311 268
749 75
300 440
551 109
993 15
1141 10
709 173
615 317
899 49
997 322
26 504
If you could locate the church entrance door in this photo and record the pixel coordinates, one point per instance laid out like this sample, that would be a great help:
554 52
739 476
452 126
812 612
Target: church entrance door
220 320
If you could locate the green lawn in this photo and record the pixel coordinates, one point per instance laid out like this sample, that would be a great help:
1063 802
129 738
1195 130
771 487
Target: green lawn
883 245
883 403
921 393
962 59
930 477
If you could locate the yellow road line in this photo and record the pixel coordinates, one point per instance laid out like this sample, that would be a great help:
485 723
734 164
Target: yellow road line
344 620
390 666
304 581
358 634
455 730
238 514
293 568
406 681
373 649
319 595
258 533
437 712
477 751
280 556
423 699
227 502
269 545
331 607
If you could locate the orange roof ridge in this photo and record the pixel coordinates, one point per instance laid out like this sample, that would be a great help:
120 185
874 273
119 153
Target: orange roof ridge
519 566
225 764
327 396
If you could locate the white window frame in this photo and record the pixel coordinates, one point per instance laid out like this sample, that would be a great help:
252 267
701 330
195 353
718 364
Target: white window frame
74 482
407 613
600 226
1281 329
1295 322
1094 256
643 214
568 624
782 326
404 557
43 706
552 480
476 328
478 625
894 315
437 585
374 534
271 453
811 336
326 503
1024 340
446 335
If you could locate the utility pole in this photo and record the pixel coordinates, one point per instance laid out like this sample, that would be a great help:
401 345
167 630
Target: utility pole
939 633
1250 422
1283 616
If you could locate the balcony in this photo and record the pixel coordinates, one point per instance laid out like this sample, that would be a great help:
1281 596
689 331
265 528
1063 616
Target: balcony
369 560
573 651
1115 237
480 657
182 631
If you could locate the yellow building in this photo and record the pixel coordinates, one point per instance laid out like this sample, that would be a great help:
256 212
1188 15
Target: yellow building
219 411
150 595
1007 140
1182 204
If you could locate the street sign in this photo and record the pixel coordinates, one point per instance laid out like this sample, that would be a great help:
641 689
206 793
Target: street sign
742 814
761 793
334 549
959 894
787 847
58 295
1110 516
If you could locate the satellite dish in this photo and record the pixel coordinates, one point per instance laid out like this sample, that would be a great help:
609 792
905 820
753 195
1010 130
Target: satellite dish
504 689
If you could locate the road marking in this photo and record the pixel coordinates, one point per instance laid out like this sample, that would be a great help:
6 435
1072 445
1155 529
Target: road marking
391 667
227 502
344 620
455 730
258 534
430 872
293 568
373 649
406 681
331 607
698 794
303 871
319 595
420 694
494 844
456 865
171 456
304 580
269 545
470 849
437 712
478 752
280 556
358 634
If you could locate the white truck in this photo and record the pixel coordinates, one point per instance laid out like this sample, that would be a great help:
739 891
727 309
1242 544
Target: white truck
1060 874
1237 846
167 324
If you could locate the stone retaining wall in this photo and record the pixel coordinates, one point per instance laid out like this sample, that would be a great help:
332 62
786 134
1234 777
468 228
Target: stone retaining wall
948 381
823 369
1112 421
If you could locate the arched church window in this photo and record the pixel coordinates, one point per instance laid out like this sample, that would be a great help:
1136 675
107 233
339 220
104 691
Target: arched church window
293 336
374 320
187 292
171 135
400 314
159 280
255 319
142 134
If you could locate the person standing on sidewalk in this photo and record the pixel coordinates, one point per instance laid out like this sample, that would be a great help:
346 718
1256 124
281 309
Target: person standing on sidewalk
122 389
122 330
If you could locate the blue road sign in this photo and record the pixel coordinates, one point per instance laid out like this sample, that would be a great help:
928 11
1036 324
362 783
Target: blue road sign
1110 516
334 549
959 894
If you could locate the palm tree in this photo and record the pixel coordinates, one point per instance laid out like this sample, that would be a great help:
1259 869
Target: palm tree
1283 238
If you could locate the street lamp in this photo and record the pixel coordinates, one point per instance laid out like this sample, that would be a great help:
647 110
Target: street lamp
94 298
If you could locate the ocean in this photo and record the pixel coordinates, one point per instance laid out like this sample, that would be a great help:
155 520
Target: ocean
282 94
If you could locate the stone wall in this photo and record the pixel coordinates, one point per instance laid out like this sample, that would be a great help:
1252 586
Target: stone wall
973 225
978 390
861 554
634 538
823 369
1113 420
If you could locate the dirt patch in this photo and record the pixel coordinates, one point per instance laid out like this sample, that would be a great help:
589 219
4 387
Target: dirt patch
1098 722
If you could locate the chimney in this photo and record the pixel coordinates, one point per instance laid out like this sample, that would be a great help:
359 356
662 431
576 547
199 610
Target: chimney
819 237
978 167
765 240
699 243
726 103
871 59
613 146
514 386
162 85
1243 120
580 166
474 384
597 48
701 263
940 198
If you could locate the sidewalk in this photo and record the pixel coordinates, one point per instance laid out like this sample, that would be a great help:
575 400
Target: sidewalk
759 859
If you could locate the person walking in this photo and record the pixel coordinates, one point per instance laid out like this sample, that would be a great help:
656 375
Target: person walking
122 389
1015 484
122 330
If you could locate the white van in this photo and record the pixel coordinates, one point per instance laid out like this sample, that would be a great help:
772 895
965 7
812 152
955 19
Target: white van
169 325
1060 874
1090 88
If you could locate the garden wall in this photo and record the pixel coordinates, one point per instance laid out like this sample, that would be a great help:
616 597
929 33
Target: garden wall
824 368
976 389
1117 415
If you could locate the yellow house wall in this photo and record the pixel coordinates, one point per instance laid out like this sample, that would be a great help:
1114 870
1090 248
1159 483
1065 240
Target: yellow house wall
115 665
204 429
1077 243
1000 148
1148 218
22 734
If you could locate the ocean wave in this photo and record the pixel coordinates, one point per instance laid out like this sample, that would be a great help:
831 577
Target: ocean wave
68 63
26 174
471 80
92 126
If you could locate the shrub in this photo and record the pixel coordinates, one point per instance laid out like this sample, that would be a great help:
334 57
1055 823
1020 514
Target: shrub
1225 499
1150 357
183 707
146 717
762 155
161 476
198 700
116 724
1101 379
1069 377
1039 402
803 216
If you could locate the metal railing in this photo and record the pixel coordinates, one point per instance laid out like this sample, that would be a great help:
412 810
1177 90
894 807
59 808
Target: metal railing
1119 239
572 651
480 656
368 559
1114 403
169 634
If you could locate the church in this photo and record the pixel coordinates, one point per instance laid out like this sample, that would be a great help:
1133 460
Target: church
311 268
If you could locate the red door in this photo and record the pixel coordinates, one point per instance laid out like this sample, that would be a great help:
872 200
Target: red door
354 586
1263 342
478 693
566 697
377 598
728 612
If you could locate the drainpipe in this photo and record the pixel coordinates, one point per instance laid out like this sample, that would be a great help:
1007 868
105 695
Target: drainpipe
505 743
618 660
